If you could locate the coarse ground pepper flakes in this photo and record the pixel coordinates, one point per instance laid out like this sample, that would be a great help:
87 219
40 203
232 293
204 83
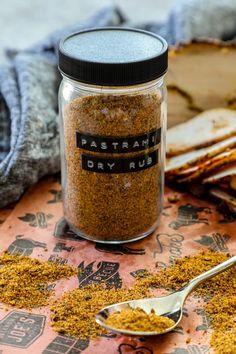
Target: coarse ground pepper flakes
138 320
74 313
111 206
24 281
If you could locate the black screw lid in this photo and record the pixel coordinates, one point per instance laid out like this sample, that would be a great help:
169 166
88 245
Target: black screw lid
113 56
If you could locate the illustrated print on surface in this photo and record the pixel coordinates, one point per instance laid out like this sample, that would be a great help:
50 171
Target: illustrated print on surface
206 321
56 196
140 273
63 344
57 259
104 272
160 265
215 241
63 231
130 349
60 246
118 249
164 213
38 219
192 349
188 215
24 246
20 329
172 243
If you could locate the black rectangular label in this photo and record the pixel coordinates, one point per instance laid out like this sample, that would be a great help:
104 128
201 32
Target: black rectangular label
118 145
119 165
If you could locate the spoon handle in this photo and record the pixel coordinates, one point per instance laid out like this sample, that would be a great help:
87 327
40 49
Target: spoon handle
209 274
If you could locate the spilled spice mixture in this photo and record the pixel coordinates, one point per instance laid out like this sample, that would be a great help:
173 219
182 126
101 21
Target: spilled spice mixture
222 310
24 281
185 269
111 206
74 313
138 320
221 290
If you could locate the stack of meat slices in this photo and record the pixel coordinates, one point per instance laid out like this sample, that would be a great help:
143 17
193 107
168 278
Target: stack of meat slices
202 151
201 76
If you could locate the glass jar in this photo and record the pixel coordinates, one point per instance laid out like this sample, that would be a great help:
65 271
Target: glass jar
112 103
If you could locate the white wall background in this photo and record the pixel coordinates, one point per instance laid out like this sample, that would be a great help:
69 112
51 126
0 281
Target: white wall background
24 22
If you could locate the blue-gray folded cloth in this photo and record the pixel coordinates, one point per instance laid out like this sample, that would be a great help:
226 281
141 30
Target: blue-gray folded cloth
29 134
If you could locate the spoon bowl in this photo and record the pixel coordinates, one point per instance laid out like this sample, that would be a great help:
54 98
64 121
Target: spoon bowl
170 306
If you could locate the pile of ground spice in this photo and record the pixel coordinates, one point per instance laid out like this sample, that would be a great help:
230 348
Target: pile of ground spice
24 281
74 313
222 310
187 268
221 291
111 206
138 320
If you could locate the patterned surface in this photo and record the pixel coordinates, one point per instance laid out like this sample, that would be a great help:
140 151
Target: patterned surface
34 23
36 227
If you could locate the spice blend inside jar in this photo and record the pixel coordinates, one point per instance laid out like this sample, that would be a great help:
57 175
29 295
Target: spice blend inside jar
112 135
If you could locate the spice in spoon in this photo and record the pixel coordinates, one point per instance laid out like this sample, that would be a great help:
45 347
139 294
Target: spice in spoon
138 320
